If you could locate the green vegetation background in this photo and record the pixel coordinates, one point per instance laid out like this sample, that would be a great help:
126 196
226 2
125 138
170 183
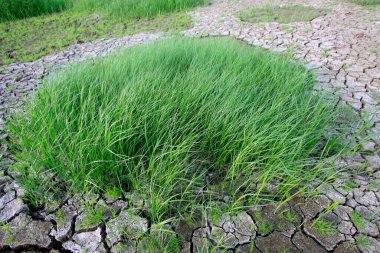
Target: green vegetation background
25 35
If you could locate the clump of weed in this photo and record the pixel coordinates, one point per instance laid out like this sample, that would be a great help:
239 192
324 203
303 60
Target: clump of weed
374 185
93 216
349 185
325 52
289 215
113 193
161 239
324 226
265 227
362 241
358 220
281 14
365 2
146 119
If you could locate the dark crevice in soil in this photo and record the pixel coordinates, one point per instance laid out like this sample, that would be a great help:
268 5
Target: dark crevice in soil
58 246
73 226
292 237
146 215
103 234
191 239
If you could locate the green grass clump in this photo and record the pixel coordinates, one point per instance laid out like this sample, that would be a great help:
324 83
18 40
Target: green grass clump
365 2
154 119
324 227
16 9
281 14
289 215
363 241
349 185
374 185
358 220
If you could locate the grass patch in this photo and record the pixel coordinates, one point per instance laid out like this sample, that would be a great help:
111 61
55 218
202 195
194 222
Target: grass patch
113 193
154 119
121 9
289 215
325 52
324 226
264 227
374 185
30 39
365 2
363 241
155 243
349 185
358 220
281 14
16 9
80 21
135 9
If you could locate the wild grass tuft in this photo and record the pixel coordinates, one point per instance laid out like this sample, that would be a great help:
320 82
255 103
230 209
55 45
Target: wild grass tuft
363 241
324 227
358 220
155 119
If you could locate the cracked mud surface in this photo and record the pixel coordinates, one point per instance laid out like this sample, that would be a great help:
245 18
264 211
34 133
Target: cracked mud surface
343 48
